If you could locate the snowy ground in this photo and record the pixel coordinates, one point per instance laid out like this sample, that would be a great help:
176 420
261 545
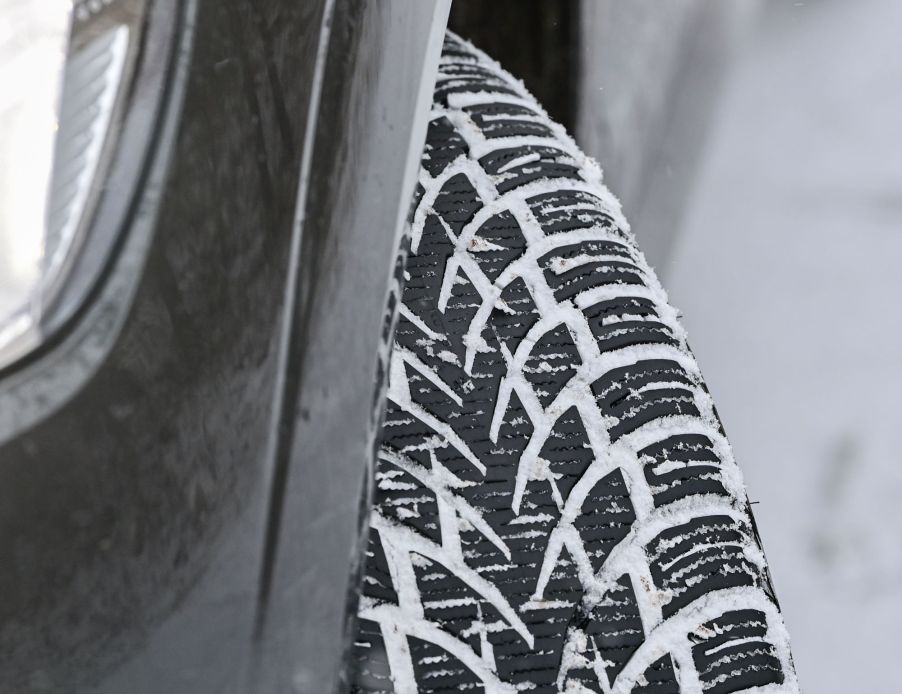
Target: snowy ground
789 274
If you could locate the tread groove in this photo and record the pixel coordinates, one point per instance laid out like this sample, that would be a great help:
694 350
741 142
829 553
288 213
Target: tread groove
556 507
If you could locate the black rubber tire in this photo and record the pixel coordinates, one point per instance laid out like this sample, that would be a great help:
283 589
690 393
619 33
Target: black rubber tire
556 507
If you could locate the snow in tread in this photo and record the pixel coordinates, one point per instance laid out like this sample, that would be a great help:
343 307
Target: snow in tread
556 506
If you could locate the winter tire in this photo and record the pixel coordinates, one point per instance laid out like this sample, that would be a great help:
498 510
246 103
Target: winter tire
556 508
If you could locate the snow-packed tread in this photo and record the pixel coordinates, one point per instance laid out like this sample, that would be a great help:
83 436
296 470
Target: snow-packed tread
556 506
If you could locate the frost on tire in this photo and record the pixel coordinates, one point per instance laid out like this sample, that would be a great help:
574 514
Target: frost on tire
556 507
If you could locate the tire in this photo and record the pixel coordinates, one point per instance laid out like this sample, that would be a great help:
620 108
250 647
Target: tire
556 507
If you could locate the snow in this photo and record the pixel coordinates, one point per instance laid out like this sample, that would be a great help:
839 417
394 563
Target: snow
788 273
666 630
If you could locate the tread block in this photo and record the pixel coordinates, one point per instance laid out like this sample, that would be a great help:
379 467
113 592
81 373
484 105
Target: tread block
371 672
607 517
406 500
680 466
648 390
427 394
508 120
658 678
456 203
526 532
633 332
496 487
700 556
732 653
571 270
405 433
443 145
425 272
460 74
438 671
452 604
603 312
459 313
498 242
518 315
614 627
481 397
430 350
627 321
516 166
547 622
568 210
377 584
568 451
552 363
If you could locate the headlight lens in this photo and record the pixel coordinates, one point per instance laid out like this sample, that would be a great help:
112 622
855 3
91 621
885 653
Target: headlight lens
34 35
62 67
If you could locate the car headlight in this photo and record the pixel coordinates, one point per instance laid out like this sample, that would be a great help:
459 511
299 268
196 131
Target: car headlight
62 70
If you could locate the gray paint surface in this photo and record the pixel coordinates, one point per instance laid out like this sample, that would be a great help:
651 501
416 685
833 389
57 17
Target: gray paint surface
384 81
136 502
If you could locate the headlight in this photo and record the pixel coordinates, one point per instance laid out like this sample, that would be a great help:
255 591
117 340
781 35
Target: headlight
62 67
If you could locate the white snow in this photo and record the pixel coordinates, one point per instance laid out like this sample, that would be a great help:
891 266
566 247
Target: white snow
403 545
790 275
